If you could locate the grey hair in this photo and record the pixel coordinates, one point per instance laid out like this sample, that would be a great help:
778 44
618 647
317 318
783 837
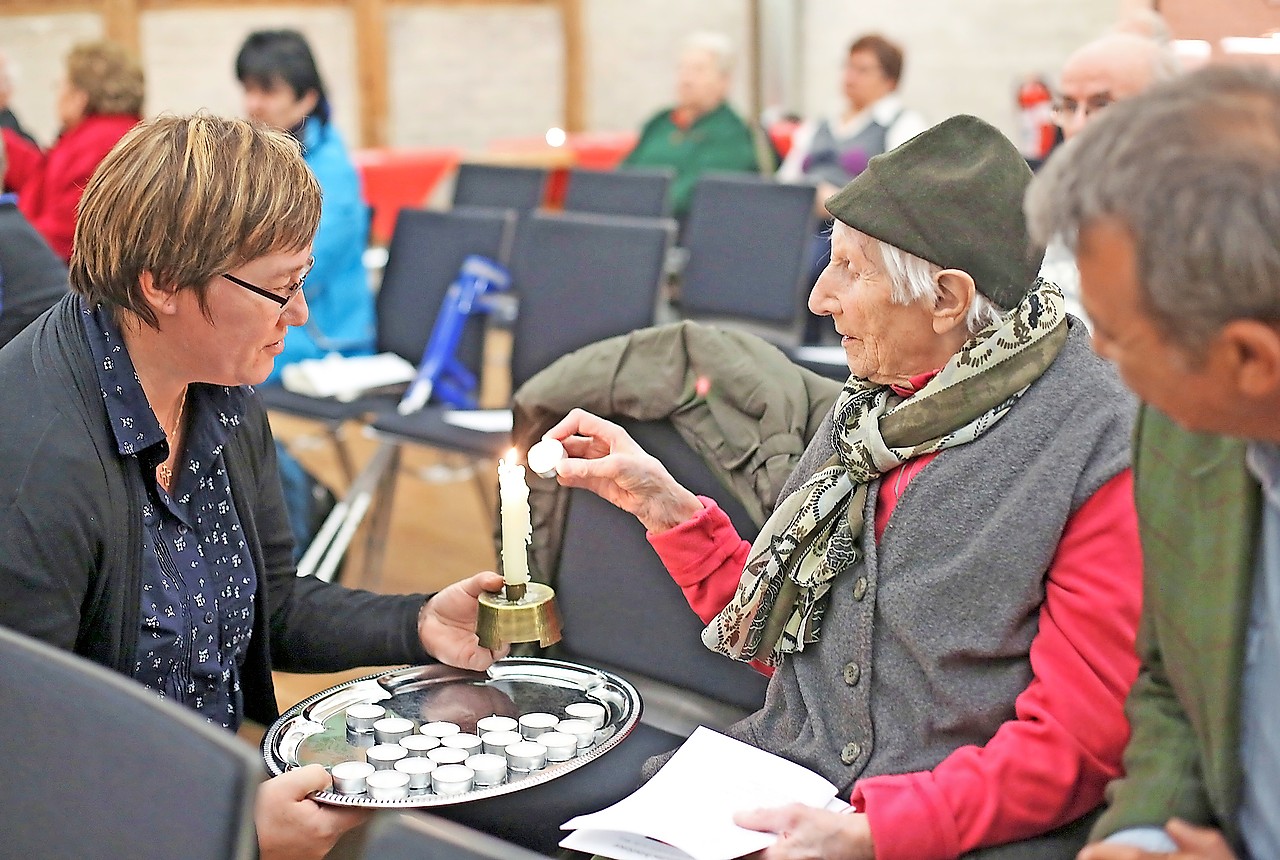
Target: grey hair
718 45
1191 168
912 279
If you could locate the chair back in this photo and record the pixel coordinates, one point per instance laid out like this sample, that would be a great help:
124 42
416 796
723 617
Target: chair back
427 837
427 250
641 192
747 240
582 278
100 766
499 186
620 606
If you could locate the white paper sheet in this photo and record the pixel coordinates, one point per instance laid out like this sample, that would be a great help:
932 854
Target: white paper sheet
482 420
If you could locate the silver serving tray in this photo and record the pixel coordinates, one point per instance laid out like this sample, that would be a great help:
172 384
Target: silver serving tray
314 731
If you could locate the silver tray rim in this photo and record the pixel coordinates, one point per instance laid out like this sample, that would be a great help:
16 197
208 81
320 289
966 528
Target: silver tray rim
277 765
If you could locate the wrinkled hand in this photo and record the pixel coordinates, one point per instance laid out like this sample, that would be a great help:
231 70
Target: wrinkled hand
1194 843
806 833
447 624
292 826
602 458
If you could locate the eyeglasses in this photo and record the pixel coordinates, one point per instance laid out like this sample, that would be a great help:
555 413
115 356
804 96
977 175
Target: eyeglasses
290 291
1065 109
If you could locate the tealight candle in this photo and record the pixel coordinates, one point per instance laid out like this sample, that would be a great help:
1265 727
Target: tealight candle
361 717
517 528
580 729
419 745
388 785
419 770
590 711
495 724
560 746
532 725
489 769
544 457
385 756
452 779
526 756
390 730
447 755
497 742
463 741
349 776
439 729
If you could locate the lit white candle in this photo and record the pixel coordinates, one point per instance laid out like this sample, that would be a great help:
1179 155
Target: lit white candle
516 526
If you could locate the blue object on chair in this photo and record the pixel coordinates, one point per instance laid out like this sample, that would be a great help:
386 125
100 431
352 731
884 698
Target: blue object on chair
440 372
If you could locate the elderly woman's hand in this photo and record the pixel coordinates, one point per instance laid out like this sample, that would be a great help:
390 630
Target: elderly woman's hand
447 624
602 458
806 833
292 826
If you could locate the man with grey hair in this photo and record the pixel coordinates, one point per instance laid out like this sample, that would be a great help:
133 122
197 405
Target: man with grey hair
1170 200
1110 68
32 278
701 132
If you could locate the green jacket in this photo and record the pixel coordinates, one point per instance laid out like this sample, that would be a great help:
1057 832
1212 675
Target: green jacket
719 140
1198 510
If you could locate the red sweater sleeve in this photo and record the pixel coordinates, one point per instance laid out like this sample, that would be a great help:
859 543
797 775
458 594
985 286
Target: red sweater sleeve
1049 765
23 160
705 557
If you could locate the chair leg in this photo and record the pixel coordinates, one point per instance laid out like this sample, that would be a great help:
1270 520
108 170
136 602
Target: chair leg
379 527
331 541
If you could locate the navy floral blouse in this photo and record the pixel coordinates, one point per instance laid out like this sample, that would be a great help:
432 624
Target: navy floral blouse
198 579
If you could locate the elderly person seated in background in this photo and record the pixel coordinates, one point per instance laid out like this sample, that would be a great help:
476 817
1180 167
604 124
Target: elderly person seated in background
701 132
141 518
100 99
948 589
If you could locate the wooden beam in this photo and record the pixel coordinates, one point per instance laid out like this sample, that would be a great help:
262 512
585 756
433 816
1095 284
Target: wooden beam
575 65
121 23
372 71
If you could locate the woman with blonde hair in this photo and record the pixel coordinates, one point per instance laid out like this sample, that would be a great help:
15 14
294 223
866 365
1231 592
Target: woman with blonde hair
100 99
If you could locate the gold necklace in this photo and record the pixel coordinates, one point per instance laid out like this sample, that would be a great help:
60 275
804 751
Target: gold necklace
163 472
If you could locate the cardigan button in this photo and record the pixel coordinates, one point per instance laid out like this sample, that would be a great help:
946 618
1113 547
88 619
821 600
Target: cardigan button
860 588
852 674
850 753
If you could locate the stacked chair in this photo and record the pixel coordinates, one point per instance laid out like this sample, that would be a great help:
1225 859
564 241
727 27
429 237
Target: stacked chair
498 186
640 192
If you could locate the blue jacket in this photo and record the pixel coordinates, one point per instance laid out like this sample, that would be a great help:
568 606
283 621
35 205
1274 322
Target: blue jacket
337 289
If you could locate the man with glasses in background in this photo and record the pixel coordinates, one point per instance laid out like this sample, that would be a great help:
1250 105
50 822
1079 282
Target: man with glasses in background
1110 68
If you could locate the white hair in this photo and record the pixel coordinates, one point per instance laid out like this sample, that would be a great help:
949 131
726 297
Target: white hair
718 45
913 279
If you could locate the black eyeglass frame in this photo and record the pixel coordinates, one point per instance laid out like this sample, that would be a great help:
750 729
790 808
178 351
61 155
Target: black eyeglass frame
293 289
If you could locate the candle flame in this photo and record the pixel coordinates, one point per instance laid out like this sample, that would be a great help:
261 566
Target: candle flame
513 456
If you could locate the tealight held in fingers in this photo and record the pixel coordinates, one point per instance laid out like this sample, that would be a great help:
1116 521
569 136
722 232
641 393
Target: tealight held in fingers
544 457
489 769
439 729
389 730
361 717
419 745
497 742
388 785
419 770
526 756
349 776
464 741
589 711
452 779
385 756
447 755
495 723
560 746
580 729
532 725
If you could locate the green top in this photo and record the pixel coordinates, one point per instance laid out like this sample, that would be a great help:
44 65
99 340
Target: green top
719 140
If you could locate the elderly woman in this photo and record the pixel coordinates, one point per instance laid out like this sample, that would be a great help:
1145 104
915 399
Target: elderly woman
100 99
701 132
283 88
141 518
947 590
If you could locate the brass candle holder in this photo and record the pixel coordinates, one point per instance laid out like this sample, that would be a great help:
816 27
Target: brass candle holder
518 613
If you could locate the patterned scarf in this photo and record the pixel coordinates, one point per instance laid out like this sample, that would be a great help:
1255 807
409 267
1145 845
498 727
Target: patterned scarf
816 533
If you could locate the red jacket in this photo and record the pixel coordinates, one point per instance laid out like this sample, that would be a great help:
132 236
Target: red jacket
49 192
